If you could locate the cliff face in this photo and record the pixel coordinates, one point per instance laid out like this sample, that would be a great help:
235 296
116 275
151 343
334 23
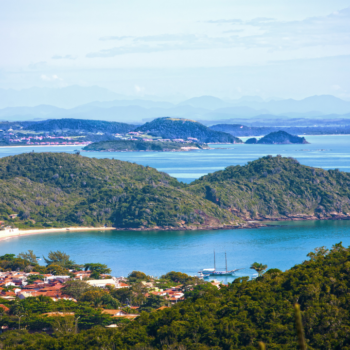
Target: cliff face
278 188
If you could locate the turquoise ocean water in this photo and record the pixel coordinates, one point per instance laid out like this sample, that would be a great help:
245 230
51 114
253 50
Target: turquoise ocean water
279 246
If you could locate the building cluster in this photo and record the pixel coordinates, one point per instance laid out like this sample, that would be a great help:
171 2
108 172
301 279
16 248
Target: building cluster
173 294
39 140
52 286
137 136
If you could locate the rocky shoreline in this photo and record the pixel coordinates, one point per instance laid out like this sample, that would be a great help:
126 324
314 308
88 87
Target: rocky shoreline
257 223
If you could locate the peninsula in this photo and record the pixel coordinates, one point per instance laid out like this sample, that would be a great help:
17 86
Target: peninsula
57 190
140 145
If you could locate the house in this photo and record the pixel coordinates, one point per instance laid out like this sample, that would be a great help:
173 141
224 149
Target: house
119 313
122 285
162 308
102 283
4 308
13 216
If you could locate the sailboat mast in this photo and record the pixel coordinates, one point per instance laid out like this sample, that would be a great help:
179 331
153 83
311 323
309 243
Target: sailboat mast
214 261
226 261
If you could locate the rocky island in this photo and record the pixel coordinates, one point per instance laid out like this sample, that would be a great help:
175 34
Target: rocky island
139 145
178 128
278 138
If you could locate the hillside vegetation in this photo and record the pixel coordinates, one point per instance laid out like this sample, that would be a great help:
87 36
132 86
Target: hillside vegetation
80 125
277 187
237 316
58 189
126 145
279 137
176 128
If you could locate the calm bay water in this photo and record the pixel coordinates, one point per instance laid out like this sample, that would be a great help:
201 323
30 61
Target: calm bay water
155 253
328 152
280 246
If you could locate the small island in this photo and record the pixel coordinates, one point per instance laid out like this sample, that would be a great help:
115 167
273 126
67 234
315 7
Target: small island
140 145
278 138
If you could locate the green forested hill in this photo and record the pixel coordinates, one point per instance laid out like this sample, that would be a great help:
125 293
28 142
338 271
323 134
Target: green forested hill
277 187
139 145
84 125
57 189
177 128
237 316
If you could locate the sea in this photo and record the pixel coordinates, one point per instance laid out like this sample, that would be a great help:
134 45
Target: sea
280 245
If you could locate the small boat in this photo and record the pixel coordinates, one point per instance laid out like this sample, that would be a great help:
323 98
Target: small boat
205 273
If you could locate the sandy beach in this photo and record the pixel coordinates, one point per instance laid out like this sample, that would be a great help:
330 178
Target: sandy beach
7 235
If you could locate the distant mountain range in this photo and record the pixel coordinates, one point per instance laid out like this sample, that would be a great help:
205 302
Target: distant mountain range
102 104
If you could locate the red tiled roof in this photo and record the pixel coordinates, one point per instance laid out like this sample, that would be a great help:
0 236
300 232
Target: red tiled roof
5 308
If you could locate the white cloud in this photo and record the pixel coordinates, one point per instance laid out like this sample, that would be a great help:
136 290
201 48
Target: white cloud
37 65
139 89
53 77
262 32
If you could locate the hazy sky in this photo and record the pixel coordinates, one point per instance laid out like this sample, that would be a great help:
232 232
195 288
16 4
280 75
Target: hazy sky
226 48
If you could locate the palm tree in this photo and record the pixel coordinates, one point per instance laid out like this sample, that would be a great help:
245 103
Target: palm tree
259 268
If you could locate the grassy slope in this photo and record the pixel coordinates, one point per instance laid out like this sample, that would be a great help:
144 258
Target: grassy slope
277 187
170 128
61 189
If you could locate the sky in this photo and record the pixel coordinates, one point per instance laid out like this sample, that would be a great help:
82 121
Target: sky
184 48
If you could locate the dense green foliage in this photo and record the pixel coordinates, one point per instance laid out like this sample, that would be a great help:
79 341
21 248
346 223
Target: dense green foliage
237 316
129 145
80 125
176 128
58 190
277 187
278 137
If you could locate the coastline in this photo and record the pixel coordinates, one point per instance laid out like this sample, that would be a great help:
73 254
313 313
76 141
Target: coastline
7 235
29 146
253 223
19 233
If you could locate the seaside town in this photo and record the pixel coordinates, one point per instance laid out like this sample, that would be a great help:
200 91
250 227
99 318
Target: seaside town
70 289
21 137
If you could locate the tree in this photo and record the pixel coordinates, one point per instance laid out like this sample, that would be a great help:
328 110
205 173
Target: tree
153 302
63 325
76 288
259 268
138 275
57 270
30 256
93 295
8 257
318 252
59 258
97 269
